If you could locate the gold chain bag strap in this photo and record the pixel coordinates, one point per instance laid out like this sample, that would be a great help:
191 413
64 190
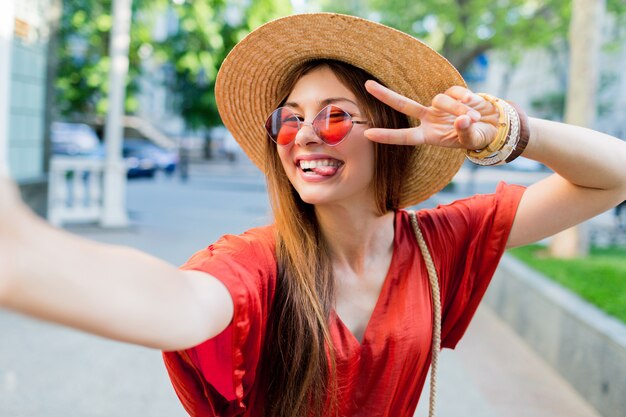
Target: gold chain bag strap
436 300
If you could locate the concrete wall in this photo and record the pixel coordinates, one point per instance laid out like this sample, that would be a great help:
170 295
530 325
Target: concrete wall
586 346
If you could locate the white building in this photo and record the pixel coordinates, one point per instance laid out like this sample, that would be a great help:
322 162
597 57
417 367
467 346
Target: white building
24 38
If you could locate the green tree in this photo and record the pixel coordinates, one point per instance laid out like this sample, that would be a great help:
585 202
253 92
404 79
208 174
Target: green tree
199 36
83 57
193 52
461 30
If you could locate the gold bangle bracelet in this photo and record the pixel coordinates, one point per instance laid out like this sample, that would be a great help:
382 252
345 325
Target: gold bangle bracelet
501 134
501 156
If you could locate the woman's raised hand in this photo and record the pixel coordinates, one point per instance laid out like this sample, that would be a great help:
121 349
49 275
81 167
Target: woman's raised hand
457 118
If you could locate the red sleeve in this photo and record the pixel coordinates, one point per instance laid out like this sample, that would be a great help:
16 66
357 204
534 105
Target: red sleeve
467 239
214 377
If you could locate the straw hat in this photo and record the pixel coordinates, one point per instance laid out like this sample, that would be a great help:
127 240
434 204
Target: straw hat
249 79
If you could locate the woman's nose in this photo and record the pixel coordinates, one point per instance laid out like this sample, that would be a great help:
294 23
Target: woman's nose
306 135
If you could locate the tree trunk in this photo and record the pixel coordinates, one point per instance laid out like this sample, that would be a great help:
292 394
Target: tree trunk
580 107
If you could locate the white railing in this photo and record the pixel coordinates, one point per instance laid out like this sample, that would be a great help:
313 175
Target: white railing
75 190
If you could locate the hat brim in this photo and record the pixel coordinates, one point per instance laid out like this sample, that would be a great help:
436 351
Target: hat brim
248 82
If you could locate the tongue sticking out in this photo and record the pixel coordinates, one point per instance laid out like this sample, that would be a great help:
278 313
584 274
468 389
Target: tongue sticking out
325 170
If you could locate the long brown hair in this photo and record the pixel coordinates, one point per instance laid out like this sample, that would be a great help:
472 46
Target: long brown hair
299 361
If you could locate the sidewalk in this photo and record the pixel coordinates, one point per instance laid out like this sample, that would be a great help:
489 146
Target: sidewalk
493 373
47 371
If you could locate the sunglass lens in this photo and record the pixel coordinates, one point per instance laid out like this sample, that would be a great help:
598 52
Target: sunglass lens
333 124
282 126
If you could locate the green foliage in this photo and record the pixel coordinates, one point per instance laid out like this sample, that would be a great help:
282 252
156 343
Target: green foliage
83 57
189 54
463 29
600 277
207 31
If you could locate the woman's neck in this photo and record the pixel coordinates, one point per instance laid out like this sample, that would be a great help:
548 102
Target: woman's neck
356 235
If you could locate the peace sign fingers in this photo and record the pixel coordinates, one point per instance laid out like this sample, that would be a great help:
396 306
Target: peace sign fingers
410 136
396 101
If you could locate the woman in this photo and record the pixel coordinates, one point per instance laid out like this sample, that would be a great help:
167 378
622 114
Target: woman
329 310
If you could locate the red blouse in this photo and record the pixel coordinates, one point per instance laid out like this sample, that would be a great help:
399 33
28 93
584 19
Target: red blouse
383 374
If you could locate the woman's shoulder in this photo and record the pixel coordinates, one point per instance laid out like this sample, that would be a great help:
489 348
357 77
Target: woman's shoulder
258 238
505 194
253 248
468 217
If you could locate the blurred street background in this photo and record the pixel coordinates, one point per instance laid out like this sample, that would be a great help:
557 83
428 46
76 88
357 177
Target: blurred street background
108 124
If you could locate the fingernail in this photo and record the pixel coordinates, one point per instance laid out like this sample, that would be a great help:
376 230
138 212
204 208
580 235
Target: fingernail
464 123
370 134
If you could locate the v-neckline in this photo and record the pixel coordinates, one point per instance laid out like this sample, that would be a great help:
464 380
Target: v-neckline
383 289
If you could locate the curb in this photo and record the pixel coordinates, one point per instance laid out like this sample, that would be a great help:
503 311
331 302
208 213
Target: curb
583 344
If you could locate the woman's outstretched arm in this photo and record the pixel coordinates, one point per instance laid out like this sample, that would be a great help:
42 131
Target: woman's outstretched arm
112 291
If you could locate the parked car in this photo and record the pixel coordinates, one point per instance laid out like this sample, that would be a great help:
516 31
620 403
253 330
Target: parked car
138 163
74 139
140 152
142 157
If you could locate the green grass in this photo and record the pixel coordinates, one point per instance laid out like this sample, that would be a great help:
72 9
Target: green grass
599 278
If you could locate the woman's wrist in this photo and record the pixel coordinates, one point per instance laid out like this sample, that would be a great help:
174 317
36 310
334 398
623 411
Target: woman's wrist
523 133
536 147
511 138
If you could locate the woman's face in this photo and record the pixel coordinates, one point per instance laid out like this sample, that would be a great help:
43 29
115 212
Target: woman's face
324 174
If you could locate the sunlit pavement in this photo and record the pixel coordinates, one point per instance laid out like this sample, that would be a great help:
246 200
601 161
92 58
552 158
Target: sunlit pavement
48 371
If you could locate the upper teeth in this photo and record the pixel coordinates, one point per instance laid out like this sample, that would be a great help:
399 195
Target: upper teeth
318 163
